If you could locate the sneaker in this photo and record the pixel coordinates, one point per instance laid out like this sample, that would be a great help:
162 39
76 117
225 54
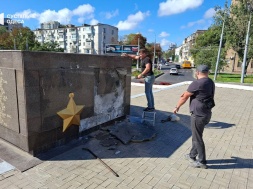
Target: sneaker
197 164
149 109
187 157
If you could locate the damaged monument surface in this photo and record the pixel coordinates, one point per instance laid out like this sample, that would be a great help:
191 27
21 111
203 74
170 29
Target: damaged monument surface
34 86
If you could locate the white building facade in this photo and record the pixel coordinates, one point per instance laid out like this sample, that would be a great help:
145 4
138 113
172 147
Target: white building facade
87 39
178 56
189 43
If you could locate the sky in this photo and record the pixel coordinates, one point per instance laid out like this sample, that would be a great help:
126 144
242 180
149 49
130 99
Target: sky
160 21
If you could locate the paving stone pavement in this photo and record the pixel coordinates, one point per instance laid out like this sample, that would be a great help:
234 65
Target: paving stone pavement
159 163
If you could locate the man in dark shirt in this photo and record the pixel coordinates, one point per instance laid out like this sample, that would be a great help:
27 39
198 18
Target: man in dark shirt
148 74
199 90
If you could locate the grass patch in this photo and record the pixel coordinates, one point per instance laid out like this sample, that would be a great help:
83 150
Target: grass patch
231 78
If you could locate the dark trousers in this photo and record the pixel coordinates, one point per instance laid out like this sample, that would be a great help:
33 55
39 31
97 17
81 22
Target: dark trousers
198 146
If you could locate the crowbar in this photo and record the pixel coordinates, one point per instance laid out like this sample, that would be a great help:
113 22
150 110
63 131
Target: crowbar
107 166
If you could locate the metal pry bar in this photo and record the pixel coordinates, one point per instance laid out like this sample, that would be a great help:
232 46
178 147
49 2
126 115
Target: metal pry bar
107 166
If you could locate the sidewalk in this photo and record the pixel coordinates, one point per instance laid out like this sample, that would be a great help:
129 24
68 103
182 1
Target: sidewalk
159 163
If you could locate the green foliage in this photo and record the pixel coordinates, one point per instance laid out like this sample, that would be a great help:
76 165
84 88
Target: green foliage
48 46
205 49
2 30
169 53
142 40
132 39
23 39
236 29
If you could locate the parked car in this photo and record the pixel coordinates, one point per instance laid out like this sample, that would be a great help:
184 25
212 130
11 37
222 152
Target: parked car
167 64
178 66
173 71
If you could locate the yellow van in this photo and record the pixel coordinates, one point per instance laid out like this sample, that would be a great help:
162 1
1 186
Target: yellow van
186 64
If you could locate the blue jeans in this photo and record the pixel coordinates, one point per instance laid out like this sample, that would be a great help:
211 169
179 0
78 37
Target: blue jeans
149 81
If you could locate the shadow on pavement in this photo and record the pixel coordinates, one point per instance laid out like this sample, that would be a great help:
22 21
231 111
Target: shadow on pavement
169 137
233 163
219 125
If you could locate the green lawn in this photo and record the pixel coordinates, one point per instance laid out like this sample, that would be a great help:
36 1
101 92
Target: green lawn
232 78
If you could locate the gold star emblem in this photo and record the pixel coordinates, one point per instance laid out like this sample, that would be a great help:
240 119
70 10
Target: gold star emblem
71 115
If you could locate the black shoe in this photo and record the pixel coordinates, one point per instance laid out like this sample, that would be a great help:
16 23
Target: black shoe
149 109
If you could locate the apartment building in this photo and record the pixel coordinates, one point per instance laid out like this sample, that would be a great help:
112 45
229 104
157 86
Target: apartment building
188 43
87 39
178 57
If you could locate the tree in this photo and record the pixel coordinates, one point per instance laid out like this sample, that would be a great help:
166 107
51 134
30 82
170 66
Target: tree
23 39
48 46
132 39
205 49
19 38
170 53
142 40
5 40
237 29
2 30
207 44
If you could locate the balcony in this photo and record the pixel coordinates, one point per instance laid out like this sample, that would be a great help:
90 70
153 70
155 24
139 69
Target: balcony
88 39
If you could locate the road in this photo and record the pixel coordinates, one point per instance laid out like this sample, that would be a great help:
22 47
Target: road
167 79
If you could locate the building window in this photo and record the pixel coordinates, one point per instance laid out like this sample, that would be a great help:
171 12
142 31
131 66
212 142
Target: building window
239 64
83 43
112 32
83 36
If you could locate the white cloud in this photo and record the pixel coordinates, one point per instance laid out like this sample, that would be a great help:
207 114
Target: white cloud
165 43
164 34
109 15
191 24
82 10
151 30
171 7
205 22
132 21
27 14
64 16
93 22
209 13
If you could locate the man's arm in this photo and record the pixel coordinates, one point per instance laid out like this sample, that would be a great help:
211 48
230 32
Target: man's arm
131 56
184 97
148 67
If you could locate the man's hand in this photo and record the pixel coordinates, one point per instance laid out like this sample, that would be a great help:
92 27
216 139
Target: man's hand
124 54
139 76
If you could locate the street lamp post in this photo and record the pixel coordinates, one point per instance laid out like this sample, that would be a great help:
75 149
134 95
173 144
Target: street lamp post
154 54
137 66
218 57
246 45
